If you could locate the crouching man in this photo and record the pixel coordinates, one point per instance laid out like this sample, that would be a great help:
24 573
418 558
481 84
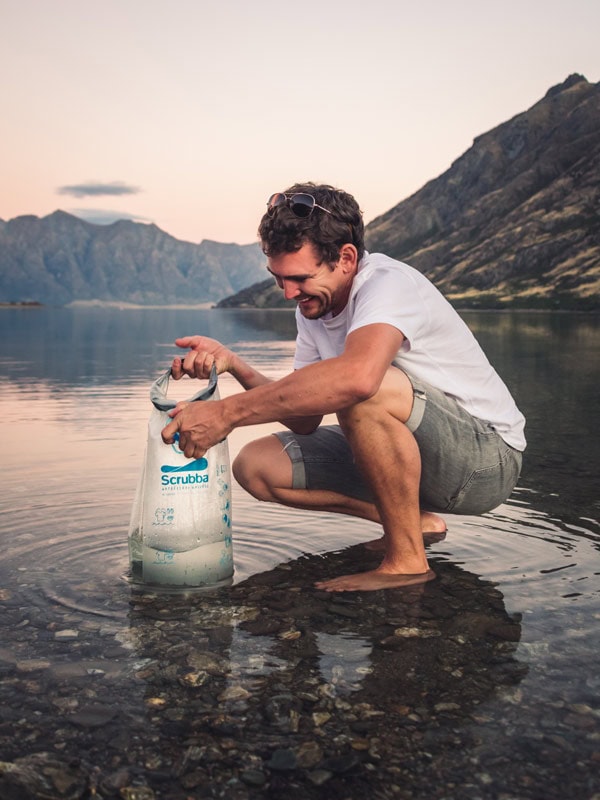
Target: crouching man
425 424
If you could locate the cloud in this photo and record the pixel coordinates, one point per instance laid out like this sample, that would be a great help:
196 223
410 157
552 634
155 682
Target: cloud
100 216
96 189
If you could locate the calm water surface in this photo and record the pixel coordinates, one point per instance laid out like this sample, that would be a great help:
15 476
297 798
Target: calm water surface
482 684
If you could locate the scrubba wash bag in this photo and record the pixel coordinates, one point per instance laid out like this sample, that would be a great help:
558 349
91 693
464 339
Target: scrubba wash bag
180 529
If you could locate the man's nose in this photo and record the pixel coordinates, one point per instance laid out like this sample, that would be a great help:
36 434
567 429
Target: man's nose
290 289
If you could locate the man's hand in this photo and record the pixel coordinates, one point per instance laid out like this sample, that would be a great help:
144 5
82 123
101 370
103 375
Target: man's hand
200 425
203 353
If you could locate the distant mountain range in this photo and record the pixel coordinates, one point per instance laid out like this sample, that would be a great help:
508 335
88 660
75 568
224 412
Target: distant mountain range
60 258
514 222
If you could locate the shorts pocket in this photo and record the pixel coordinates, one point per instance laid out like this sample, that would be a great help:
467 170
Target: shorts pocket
488 487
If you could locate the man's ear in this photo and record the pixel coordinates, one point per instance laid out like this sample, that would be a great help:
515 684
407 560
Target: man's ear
348 259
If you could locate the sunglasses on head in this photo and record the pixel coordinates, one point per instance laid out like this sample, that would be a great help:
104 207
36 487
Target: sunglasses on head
302 205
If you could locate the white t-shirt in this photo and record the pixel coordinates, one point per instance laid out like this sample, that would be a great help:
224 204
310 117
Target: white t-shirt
438 348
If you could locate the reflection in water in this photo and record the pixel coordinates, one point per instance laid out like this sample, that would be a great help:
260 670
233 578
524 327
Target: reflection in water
252 685
479 684
266 684
100 346
551 363
344 661
406 647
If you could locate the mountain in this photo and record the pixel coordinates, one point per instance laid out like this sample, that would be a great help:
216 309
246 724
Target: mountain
264 294
515 221
60 258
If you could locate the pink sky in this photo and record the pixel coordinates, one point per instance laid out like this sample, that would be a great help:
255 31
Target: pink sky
190 113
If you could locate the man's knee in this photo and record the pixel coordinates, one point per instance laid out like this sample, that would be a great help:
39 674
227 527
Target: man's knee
246 469
393 399
261 467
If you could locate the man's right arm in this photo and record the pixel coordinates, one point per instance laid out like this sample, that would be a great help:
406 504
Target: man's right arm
204 352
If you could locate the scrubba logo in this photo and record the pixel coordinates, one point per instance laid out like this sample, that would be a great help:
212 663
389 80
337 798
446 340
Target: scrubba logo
185 475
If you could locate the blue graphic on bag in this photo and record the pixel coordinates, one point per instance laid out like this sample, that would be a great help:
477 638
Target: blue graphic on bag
168 478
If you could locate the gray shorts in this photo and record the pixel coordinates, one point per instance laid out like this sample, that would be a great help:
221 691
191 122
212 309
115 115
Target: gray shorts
466 467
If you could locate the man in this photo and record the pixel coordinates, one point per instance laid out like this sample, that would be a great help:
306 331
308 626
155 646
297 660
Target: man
425 423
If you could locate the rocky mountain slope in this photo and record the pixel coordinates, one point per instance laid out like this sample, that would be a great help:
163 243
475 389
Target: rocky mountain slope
60 258
515 221
264 294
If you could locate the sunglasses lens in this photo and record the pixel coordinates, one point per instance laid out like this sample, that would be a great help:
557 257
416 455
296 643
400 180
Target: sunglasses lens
277 199
302 204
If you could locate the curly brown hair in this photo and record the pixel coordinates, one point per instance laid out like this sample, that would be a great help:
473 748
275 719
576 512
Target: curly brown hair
281 231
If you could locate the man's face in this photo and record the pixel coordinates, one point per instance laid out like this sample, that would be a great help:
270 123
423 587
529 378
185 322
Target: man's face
316 287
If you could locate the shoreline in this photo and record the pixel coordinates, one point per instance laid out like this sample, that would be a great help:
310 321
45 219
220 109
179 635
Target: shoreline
125 306
21 304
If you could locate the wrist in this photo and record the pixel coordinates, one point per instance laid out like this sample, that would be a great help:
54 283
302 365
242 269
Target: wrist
244 374
232 410
235 365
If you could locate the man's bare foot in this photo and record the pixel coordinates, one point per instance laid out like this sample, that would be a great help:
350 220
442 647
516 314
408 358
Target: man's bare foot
429 537
372 580
433 527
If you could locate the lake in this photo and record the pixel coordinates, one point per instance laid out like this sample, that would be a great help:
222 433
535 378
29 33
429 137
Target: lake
481 684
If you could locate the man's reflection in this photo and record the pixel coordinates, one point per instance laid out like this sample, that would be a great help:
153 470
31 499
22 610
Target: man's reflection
277 679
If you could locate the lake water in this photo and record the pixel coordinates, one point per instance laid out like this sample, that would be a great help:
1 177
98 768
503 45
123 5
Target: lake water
482 684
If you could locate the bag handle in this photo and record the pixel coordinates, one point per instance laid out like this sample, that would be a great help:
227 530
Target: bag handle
158 391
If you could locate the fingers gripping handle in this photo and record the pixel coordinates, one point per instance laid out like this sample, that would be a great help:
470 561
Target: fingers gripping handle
158 391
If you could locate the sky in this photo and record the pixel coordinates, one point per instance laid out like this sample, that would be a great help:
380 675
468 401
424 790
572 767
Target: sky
190 113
